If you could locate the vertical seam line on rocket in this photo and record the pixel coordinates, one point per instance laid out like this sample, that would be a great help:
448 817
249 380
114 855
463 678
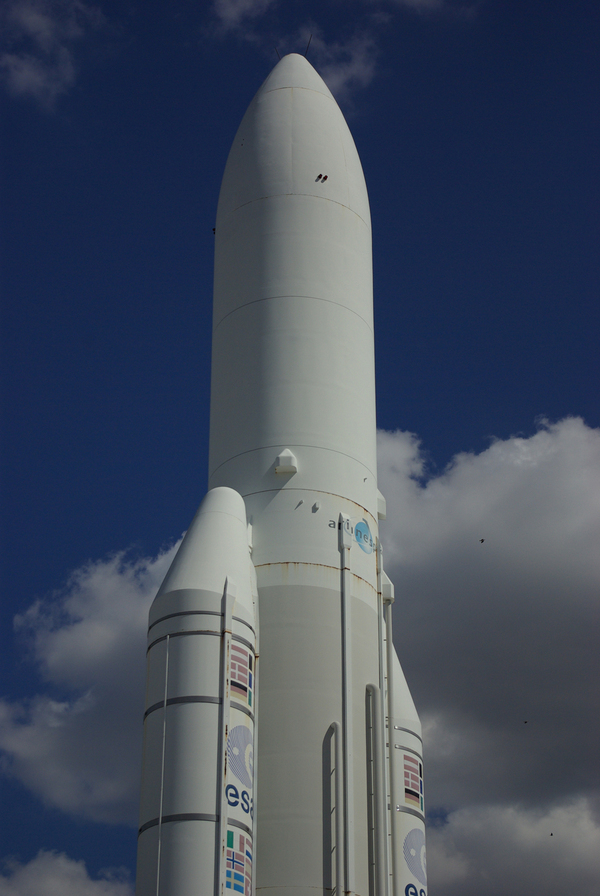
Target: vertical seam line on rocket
291 140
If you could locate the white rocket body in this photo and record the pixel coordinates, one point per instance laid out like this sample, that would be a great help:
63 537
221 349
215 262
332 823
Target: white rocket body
338 802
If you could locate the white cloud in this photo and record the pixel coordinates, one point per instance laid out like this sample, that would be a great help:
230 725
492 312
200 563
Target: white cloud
499 642
232 14
54 874
344 64
81 752
37 45
497 850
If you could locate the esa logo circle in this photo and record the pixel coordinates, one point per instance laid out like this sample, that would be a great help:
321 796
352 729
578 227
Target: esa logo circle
239 754
363 536
414 854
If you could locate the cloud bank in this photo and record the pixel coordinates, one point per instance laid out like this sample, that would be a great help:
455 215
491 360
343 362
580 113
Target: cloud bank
232 14
37 40
345 64
499 640
53 873
78 745
348 62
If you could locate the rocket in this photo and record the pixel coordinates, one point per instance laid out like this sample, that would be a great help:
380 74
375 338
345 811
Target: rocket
282 748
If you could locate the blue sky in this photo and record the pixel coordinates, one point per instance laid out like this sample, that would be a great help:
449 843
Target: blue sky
477 124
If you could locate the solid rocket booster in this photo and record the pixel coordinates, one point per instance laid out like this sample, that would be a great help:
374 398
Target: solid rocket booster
199 717
288 534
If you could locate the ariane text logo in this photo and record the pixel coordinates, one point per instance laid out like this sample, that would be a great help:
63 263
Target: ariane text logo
361 532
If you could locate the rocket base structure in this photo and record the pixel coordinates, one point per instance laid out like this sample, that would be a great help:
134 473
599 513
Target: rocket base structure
285 757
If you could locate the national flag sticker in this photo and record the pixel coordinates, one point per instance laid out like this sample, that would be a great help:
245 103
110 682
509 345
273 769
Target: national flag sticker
241 673
413 782
238 863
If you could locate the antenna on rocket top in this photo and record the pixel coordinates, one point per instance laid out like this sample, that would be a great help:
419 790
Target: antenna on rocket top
277 51
307 46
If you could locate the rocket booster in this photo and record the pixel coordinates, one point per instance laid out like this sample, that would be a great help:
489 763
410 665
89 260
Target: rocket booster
288 758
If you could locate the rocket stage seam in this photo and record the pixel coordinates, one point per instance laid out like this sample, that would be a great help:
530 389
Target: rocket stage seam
414 812
276 447
294 296
199 632
199 613
310 196
190 816
174 700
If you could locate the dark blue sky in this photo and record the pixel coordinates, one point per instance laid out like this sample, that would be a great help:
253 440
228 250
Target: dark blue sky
478 129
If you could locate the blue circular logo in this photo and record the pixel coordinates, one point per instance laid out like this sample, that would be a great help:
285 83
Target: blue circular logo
239 753
414 853
362 533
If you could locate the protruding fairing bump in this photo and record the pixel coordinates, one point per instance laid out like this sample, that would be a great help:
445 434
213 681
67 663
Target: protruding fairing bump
286 462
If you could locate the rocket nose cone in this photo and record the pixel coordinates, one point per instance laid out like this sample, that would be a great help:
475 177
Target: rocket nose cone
295 71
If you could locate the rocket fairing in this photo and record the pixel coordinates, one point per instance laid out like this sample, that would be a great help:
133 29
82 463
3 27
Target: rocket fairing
288 758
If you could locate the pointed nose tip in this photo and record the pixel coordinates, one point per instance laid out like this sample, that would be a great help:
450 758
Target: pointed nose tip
295 71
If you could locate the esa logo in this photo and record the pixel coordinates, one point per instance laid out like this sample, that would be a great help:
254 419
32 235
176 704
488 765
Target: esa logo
235 799
241 764
414 853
